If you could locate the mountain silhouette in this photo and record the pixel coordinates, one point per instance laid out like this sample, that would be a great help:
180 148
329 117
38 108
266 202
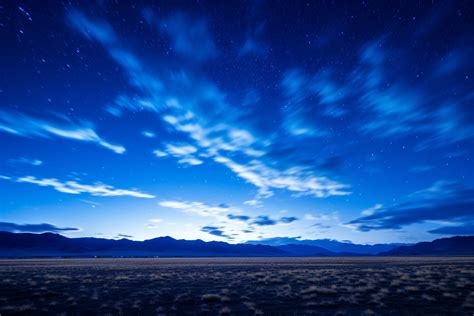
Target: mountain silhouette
51 245
330 244
459 245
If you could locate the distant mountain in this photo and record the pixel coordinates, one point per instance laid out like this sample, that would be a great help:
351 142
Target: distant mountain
49 244
305 250
55 245
330 244
459 245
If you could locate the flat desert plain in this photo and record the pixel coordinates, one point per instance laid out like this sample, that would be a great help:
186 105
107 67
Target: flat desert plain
238 286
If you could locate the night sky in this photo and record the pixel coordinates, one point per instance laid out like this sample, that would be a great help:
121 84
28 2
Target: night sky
238 121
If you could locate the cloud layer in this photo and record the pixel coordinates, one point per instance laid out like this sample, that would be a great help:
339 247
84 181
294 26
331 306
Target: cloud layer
73 187
19 124
199 109
442 202
231 221
34 228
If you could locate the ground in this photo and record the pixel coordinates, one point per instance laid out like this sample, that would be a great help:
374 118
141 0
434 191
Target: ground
238 286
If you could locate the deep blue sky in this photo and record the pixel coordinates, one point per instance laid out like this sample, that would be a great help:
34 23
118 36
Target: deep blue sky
235 120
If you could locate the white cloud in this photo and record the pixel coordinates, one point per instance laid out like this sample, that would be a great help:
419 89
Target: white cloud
148 134
155 220
159 153
73 187
190 161
199 208
154 223
27 161
322 217
200 109
254 203
295 179
22 125
182 151
371 210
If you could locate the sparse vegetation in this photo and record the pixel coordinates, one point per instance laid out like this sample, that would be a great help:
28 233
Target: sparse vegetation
229 286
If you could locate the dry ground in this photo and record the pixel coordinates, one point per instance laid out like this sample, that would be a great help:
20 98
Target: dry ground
238 286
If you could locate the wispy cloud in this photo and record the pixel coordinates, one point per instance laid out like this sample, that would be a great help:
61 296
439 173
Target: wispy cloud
288 219
227 221
384 101
309 100
26 161
421 169
154 223
73 187
184 152
199 109
123 236
252 46
20 124
298 180
34 228
190 36
443 201
199 208
216 231
264 220
466 229
148 134
243 218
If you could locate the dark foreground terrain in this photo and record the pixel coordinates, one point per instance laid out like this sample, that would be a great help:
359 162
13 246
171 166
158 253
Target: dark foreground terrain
241 286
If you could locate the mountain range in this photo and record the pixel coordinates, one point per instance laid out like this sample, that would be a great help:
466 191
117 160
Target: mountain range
55 245
329 244
459 245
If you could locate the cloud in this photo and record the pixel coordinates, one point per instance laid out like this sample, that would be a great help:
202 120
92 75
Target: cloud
19 124
451 62
155 220
73 187
443 201
26 161
159 153
384 101
182 151
243 218
228 217
421 169
299 180
309 101
123 236
321 226
154 223
466 229
264 220
310 217
200 110
190 36
405 107
148 134
34 228
91 29
253 46
216 231
371 210
196 208
288 220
